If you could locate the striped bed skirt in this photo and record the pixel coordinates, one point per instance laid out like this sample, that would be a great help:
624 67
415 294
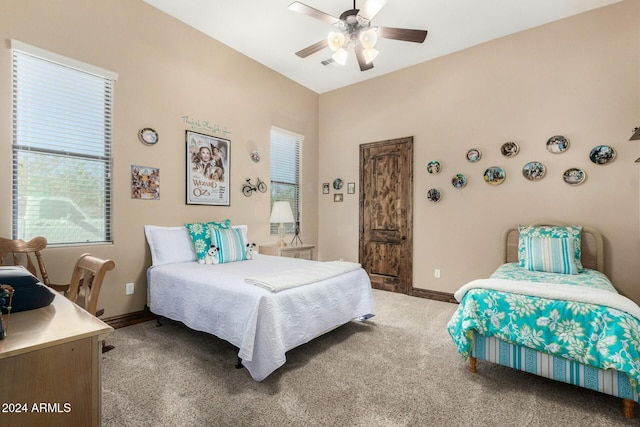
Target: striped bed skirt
609 381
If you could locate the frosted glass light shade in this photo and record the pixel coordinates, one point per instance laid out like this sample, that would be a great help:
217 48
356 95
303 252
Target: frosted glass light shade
368 38
335 40
369 55
340 56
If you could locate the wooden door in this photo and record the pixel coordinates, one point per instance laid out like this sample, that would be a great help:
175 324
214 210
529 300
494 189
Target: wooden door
386 213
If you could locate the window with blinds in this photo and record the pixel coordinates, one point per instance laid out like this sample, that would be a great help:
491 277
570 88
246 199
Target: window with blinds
285 173
61 148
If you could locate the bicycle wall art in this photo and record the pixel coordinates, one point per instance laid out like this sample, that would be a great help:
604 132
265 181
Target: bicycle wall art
208 163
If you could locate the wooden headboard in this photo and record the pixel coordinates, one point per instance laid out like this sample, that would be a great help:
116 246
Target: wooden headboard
591 246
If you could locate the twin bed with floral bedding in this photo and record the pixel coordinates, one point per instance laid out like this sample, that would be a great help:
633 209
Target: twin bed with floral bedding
263 305
549 310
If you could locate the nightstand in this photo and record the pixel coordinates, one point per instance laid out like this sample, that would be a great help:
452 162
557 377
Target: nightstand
299 251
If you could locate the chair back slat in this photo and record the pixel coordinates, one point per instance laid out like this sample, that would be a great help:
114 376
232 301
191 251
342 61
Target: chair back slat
88 273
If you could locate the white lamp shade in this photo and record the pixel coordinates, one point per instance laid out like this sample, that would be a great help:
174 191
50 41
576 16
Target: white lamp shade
368 38
281 212
369 54
335 40
340 56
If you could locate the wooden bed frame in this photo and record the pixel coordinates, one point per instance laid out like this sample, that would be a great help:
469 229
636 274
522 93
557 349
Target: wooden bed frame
591 256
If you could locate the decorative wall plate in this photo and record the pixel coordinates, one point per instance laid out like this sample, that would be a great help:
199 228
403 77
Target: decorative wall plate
557 144
255 156
433 195
434 167
534 171
602 154
574 176
494 175
459 180
509 149
474 155
337 184
148 136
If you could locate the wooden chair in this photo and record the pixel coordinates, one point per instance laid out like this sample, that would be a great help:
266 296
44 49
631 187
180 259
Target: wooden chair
19 249
86 279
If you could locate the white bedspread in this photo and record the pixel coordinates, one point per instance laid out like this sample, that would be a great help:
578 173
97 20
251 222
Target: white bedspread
554 291
263 325
287 279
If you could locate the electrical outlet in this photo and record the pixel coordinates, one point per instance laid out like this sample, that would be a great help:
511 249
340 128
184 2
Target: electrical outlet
436 273
129 288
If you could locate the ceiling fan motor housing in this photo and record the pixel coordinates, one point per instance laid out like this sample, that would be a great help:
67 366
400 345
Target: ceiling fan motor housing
352 24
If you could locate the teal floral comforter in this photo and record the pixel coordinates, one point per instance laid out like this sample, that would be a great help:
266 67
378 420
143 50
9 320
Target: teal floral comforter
591 334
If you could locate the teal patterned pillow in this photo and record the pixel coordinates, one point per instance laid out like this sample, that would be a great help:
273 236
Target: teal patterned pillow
574 231
551 255
201 236
230 244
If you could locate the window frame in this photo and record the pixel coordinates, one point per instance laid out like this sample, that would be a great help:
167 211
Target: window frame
292 137
29 150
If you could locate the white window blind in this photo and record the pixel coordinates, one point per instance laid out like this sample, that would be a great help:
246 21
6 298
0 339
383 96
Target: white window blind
285 172
62 112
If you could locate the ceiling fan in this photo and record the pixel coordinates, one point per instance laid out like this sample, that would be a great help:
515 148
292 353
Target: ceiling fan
353 30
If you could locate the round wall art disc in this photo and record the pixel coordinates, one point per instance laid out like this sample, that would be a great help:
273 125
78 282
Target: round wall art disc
574 176
434 167
557 144
534 171
459 180
509 149
602 154
433 195
494 175
474 155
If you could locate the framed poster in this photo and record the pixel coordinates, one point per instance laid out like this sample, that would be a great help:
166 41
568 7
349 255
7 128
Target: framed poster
208 173
145 182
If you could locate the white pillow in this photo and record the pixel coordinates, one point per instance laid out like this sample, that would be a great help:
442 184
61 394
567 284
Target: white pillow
243 231
169 244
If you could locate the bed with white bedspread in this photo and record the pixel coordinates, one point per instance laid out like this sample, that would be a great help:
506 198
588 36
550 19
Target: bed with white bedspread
225 300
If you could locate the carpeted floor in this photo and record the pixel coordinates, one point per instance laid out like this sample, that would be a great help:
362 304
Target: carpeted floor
398 369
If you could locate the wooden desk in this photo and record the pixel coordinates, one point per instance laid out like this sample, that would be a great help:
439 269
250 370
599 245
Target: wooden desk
51 367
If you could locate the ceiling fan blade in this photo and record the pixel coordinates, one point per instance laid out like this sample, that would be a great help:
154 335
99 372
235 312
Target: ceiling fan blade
362 62
370 8
310 50
296 6
404 34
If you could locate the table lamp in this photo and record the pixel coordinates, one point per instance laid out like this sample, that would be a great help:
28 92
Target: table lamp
281 213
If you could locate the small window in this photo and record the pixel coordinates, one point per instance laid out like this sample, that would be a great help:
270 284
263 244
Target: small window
285 173
62 115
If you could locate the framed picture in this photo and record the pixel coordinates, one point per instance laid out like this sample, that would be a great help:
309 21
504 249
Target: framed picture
337 197
145 182
325 188
351 188
208 161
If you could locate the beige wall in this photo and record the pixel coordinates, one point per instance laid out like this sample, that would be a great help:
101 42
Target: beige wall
166 70
578 77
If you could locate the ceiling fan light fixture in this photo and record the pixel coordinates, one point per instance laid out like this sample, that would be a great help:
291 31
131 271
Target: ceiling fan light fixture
335 40
340 56
369 38
369 54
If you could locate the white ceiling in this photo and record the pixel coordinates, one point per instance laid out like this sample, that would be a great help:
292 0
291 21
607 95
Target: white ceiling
268 32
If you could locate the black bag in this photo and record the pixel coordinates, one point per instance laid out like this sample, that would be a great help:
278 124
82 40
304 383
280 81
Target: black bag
28 291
